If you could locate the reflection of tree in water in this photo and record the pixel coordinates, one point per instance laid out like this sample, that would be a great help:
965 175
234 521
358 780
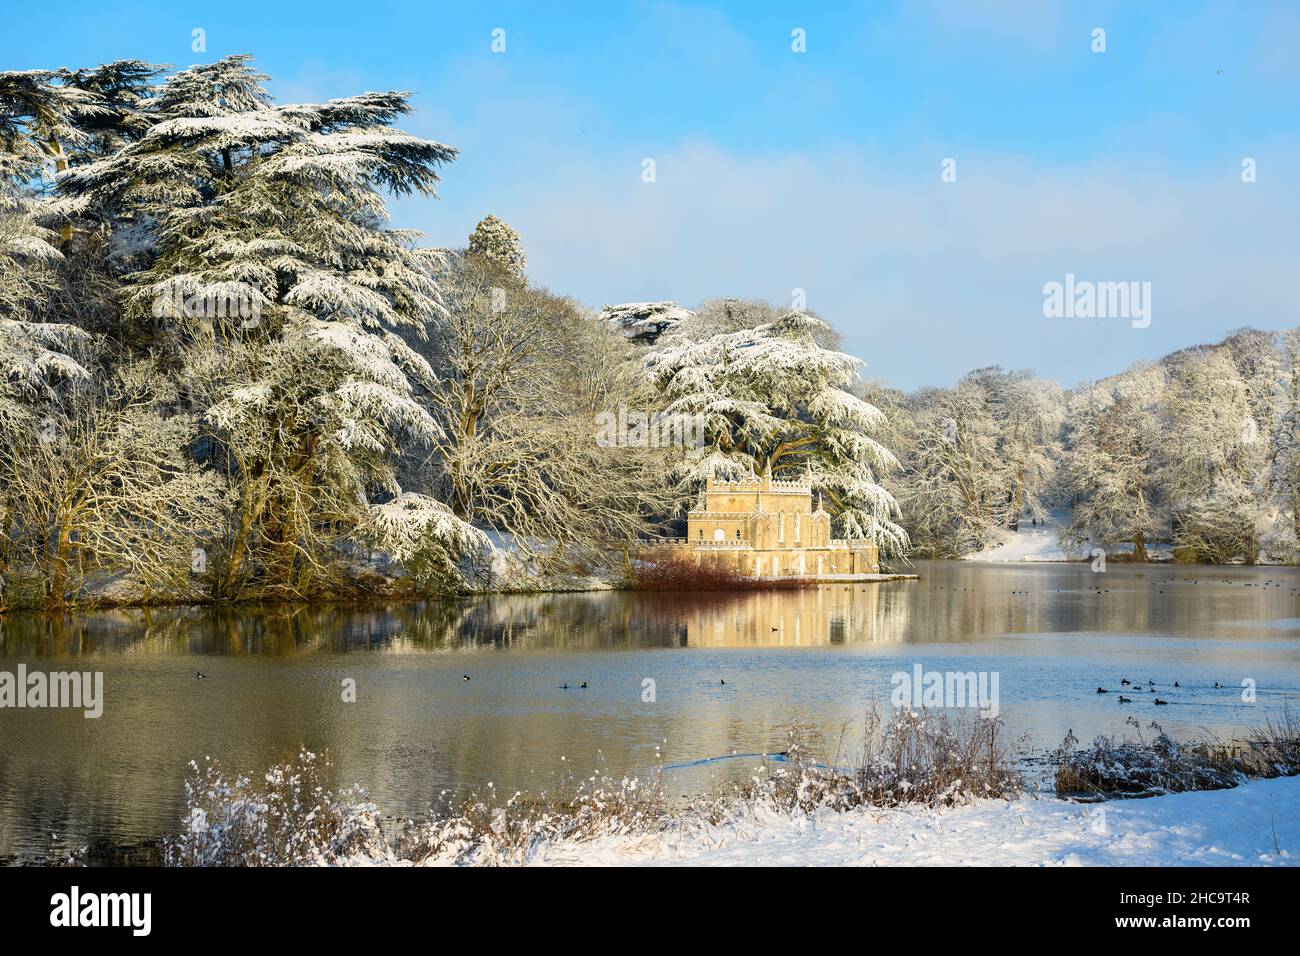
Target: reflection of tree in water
38 804
587 621
544 622
576 621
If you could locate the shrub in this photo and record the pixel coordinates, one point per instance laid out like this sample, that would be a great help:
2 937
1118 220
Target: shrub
1111 769
681 573
292 818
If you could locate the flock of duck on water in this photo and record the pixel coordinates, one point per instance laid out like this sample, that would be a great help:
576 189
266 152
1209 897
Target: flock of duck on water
1149 688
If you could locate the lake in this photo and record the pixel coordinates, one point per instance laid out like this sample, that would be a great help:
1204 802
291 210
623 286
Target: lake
418 730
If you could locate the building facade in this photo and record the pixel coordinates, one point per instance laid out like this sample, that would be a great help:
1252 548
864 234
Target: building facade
769 528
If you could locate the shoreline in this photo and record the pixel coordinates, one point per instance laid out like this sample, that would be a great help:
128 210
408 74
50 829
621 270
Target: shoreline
362 599
1253 824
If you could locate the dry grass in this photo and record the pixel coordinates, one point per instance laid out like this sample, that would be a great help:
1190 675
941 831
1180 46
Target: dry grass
680 573
1112 769
907 757
290 817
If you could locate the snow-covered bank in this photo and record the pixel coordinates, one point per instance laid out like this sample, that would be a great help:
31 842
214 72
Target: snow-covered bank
912 802
1253 825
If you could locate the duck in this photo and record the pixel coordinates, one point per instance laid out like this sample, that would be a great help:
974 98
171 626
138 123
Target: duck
199 675
722 683
1125 700
1102 690
1159 701
584 685
564 686
465 676
1125 681
1175 683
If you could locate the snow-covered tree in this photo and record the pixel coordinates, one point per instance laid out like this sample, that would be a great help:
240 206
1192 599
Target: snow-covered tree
716 316
266 257
1284 447
29 259
1029 412
951 487
494 241
772 399
1111 467
1213 456
40 363
432 544
644 322
104 482
975 458
119 94
522 376
41 120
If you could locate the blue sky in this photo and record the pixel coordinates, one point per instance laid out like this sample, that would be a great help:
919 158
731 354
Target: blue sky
820 170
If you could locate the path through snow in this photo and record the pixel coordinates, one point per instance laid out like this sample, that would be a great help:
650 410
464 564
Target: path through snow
1029 543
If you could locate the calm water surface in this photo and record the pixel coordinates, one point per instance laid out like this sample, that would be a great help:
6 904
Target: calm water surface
1052 632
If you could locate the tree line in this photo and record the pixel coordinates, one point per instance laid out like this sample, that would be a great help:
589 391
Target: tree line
224 376
1197 453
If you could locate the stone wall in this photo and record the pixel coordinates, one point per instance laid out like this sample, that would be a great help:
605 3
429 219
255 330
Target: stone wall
844 559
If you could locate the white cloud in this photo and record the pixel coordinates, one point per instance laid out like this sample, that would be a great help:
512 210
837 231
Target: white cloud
927 280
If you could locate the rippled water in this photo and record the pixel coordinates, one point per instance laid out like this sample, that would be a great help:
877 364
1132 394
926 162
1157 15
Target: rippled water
1053 633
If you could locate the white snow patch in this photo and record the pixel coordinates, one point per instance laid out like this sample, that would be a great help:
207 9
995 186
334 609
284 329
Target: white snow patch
1029 543
1244 826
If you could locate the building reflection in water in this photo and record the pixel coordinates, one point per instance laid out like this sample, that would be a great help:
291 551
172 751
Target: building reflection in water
797 617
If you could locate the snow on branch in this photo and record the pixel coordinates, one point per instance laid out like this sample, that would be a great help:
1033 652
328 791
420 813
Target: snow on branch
645 321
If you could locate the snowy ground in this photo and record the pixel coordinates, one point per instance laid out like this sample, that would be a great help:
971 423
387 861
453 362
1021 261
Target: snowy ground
1240 827
1042 543
1029 543
1026 544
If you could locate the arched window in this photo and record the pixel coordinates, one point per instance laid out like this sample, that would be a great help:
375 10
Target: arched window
719 535
780 527
737 534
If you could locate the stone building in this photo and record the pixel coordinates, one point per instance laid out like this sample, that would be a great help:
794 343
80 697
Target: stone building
768 528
